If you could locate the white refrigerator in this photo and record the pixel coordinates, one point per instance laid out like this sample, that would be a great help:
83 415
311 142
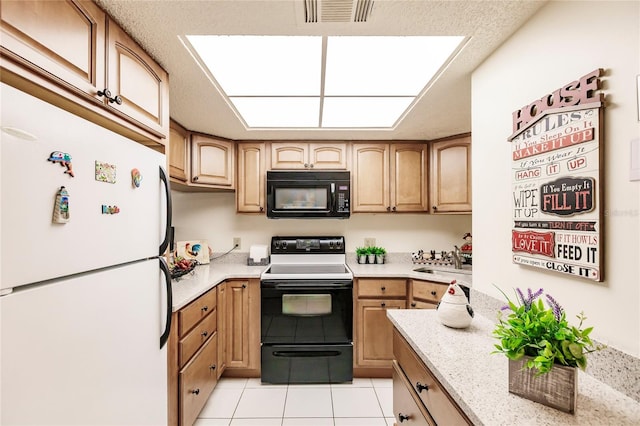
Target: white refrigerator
85 298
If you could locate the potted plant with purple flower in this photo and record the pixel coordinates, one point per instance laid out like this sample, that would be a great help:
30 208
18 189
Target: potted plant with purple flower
543 348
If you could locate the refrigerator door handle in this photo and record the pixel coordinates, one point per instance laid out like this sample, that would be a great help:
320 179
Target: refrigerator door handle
167 232
167 277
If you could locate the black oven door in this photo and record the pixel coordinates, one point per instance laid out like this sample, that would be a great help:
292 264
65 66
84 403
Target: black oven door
307 331
307 312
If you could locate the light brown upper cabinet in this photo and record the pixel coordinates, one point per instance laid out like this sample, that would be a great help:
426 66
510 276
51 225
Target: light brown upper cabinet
451 175
32 32
141 84
302 155
251 174
212 161
76 53
389 177
178 152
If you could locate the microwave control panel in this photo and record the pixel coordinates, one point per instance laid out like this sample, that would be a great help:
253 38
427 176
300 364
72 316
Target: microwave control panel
343 198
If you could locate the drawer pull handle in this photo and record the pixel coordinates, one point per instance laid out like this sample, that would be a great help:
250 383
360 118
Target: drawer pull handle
383 304
383 288
212 367
204 334
205 308
420 387
403 417
195 391
433 293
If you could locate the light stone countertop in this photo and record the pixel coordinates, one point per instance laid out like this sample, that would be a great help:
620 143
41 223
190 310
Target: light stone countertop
442 274
189 287
204 277
461 360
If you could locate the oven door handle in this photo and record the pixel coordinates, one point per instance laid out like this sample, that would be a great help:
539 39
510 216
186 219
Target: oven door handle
305 354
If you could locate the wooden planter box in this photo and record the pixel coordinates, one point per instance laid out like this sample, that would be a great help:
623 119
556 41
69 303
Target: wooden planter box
558 388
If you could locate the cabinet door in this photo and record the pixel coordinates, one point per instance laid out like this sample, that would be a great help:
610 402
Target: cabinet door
140 82
32 32
328 156
222 327
212 161
451 176
178 152
374 336
289 155
237 324
370 176
251 174
409 177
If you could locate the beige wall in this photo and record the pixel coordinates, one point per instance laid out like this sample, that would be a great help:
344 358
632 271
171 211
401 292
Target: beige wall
212 216
563 42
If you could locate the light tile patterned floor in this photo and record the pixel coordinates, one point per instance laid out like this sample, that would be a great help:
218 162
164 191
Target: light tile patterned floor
246 402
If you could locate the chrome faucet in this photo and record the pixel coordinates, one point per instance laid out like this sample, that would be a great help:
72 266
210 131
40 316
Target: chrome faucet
456 254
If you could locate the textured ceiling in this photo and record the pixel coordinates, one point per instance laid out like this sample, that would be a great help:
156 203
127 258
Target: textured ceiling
443 110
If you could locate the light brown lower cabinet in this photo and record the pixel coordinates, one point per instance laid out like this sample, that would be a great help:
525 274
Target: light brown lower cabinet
417 394
406 409
197 380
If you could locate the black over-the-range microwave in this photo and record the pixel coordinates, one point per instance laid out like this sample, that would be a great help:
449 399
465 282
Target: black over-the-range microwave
308 194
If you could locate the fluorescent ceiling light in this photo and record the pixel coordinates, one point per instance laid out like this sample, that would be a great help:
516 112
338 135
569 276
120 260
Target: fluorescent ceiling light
292 81
278 112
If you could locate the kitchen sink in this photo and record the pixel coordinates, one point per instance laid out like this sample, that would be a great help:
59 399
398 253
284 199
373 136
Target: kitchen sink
424 270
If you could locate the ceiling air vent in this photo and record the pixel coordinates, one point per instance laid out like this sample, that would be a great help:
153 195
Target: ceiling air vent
337 10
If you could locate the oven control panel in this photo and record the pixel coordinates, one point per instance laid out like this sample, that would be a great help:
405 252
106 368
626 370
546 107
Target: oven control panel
321 245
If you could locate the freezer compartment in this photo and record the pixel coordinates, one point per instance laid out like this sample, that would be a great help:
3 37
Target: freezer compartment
307 363
131 226
86 350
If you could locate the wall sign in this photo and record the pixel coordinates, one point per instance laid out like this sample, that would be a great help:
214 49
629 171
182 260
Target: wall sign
557 181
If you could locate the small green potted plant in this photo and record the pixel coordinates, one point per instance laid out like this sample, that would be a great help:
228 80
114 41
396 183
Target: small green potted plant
361 254
539 341
379 253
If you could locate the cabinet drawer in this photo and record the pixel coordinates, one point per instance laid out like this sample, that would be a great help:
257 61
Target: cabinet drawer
418 304
434 397
382 288
197 380
404 403
426 290
197 310
196 337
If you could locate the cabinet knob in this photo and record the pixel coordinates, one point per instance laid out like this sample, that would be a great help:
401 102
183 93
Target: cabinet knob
195 178
383 304
306 165
433 293
394 208
420 387
435 208
195 391
261 208
403 417
204 334
383 288
107 94
212 367
205 308
244 286
311 165
388 209
413 304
